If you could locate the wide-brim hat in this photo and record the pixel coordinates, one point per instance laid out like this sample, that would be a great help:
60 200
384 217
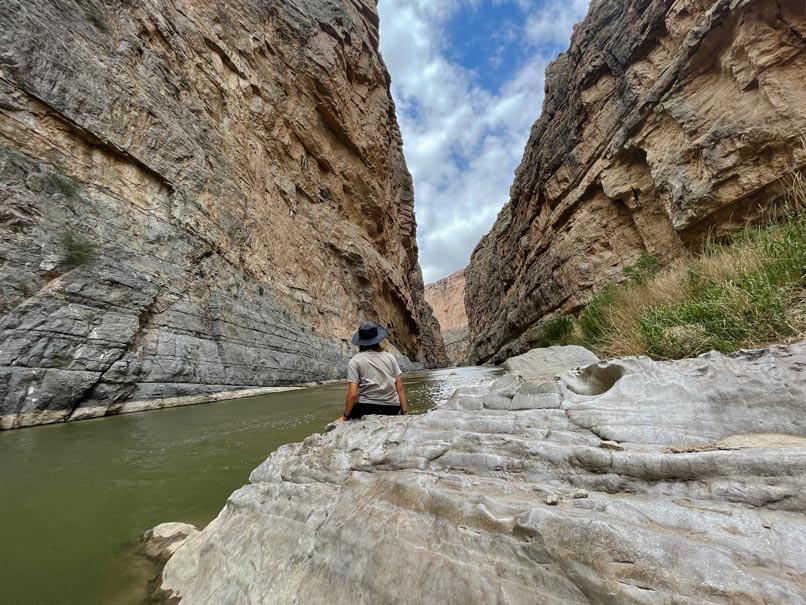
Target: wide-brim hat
369 334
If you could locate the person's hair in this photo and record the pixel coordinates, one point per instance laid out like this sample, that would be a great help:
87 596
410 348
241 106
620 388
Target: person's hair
377 347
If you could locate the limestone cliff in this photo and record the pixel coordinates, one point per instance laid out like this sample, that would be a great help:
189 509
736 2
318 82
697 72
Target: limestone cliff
447 299
628 482
196 196
665 120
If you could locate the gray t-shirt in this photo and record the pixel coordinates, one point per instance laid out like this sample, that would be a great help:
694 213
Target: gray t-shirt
374 372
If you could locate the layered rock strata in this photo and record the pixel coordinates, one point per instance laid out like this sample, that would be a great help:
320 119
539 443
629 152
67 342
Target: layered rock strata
665 121
447 299
195 198
628 481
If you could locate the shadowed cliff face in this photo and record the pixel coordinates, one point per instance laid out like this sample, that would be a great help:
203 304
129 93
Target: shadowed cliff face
664 120
195 198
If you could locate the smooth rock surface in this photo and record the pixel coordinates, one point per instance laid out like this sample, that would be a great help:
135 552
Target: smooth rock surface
542 364
629 490
163 540
196 198
665 122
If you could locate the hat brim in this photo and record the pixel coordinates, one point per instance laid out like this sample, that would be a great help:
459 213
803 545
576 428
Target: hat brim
368 342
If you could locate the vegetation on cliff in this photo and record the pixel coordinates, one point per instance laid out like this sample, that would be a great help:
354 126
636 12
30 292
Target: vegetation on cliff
746 292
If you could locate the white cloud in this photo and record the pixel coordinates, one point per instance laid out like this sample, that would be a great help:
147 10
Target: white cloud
554 22
462 141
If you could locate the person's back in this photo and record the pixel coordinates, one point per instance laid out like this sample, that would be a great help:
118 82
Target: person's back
374 372
373 376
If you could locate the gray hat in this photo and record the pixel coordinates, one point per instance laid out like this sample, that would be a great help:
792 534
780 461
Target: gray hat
369 334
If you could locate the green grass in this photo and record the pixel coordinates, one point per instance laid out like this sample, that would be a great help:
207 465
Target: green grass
643 269
749 292
557 331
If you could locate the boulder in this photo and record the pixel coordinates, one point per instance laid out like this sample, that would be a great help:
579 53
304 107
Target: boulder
162 541
544 363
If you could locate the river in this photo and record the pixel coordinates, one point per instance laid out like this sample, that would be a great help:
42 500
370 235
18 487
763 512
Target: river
76 497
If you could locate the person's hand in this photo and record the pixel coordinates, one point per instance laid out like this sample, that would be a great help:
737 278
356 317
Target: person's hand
340 419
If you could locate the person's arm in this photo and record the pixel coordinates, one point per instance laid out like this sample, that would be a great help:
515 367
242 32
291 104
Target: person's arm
352 397
401 392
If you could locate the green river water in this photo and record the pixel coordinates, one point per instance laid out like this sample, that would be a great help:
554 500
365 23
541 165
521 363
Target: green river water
76 497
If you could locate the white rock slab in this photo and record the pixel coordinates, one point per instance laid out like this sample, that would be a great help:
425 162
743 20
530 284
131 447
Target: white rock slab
646 483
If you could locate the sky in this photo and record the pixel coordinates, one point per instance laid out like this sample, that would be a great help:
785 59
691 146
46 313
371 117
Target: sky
467 79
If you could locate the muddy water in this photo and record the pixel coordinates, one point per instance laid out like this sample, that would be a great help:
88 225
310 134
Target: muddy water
74 498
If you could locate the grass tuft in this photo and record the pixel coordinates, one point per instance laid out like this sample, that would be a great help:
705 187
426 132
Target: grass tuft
77 250
557 331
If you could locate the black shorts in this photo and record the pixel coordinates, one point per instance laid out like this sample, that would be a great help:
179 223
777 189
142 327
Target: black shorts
363 409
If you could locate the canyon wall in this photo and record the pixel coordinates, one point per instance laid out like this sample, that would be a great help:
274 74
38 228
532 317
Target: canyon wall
665 121
196 197
447 299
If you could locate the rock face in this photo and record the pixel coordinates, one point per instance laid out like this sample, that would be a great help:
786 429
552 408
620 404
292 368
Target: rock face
624 482
195 198
664 120
447 298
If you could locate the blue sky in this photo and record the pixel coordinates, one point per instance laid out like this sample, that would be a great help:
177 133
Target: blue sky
467 78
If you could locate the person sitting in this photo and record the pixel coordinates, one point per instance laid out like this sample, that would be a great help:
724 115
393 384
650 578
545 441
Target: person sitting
373 374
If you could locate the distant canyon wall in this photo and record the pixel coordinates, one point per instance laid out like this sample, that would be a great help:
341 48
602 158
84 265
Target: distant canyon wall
447 299
665 120
196 197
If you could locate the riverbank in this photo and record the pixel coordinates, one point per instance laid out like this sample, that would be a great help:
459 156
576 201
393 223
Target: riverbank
128 407
85 411
629 481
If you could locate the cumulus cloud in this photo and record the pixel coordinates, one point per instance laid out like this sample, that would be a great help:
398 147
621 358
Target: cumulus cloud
554 22
464 137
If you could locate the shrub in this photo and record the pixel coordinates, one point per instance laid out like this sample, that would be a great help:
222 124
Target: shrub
63 184
645 267
94 15
77 250
595 322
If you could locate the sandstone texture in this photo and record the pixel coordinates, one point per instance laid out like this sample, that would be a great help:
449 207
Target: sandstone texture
447 299
196 197
623 482
664 121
